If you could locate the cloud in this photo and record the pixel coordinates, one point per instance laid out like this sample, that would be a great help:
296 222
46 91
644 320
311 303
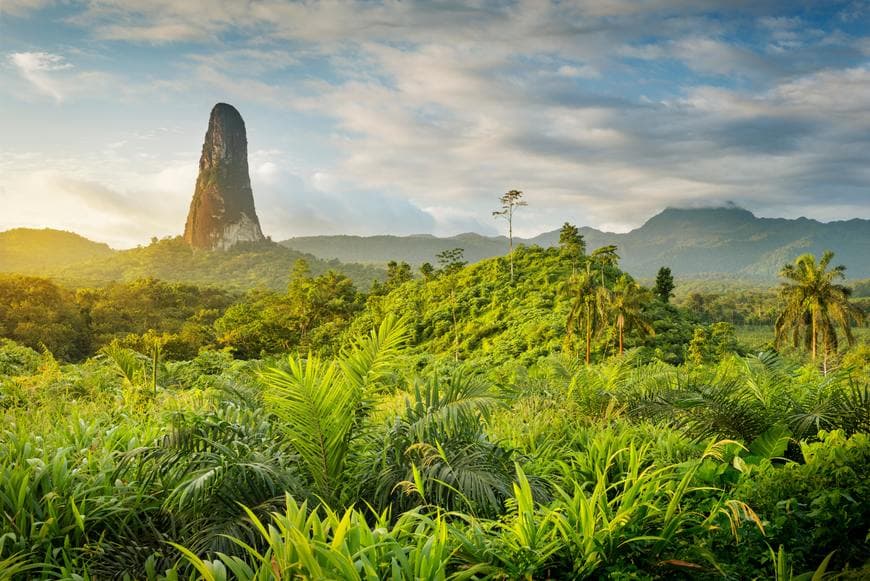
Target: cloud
21 7
290 204
39 69
53 76
415 116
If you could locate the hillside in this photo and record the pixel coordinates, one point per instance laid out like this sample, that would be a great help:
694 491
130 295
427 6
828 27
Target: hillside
415 249
76 261
704 242
31 251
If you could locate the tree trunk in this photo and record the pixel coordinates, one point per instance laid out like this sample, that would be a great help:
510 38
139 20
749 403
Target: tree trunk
588 339
511 242
825 362
621 330
154 359
814 336
455 330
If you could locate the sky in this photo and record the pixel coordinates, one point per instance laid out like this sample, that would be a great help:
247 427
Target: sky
367 117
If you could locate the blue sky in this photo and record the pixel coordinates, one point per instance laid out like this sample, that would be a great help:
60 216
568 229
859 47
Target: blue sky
409 117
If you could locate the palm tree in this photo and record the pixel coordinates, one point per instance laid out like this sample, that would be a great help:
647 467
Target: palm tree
626 304
588 310
815 305
318 403
603 258
438 452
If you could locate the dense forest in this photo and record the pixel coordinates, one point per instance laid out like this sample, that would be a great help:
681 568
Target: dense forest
538 415
78 262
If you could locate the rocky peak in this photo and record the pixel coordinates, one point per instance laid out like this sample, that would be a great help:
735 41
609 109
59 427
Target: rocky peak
222 210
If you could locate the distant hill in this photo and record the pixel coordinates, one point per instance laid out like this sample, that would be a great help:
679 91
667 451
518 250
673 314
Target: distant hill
30 251
77 261
713 243
695 243
415 249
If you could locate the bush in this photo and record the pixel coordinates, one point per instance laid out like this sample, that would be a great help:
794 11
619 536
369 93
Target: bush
819 506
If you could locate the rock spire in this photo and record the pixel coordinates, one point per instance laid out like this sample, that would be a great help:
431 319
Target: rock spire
222 210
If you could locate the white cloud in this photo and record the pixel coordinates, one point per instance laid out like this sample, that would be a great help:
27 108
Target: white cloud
581 72
430 112
21 7
39 69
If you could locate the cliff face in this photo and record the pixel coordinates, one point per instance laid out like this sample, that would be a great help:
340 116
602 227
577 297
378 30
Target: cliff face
222 210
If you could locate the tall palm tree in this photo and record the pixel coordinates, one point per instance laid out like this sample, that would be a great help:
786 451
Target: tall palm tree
588 310
626 307
815 305
603 258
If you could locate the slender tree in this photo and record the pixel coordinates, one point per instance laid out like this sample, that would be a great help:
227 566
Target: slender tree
588 312
814 305
571 244
626 308
664 284
398 273
452 261
427 271
604 258
509 202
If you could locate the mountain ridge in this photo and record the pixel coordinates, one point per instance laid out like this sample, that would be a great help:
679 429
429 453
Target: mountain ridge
725 242
694 242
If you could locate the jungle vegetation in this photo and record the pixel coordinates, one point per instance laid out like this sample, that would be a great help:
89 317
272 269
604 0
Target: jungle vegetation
444 423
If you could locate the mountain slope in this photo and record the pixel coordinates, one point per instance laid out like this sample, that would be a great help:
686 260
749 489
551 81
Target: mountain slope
77 261
415 249
31 251
703 242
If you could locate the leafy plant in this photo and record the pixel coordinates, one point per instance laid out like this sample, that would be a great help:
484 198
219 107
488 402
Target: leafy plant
318 403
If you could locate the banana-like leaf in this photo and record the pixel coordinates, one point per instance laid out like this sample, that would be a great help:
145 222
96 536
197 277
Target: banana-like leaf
772 443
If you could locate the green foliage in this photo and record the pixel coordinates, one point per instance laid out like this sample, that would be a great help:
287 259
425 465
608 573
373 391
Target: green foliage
304 544
819 505
743 306
33 252
451 261
588 315
460 441
712 343
127 312
317 403
437 451
571 244
664 286
625 309
815 306
39 314
244 266
16 359
307 317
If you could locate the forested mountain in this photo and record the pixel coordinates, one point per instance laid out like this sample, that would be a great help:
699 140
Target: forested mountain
693 242
696 243
31 251
76 261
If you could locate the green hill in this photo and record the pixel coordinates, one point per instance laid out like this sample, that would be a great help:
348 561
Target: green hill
31 251
76 261
705 242
475 313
